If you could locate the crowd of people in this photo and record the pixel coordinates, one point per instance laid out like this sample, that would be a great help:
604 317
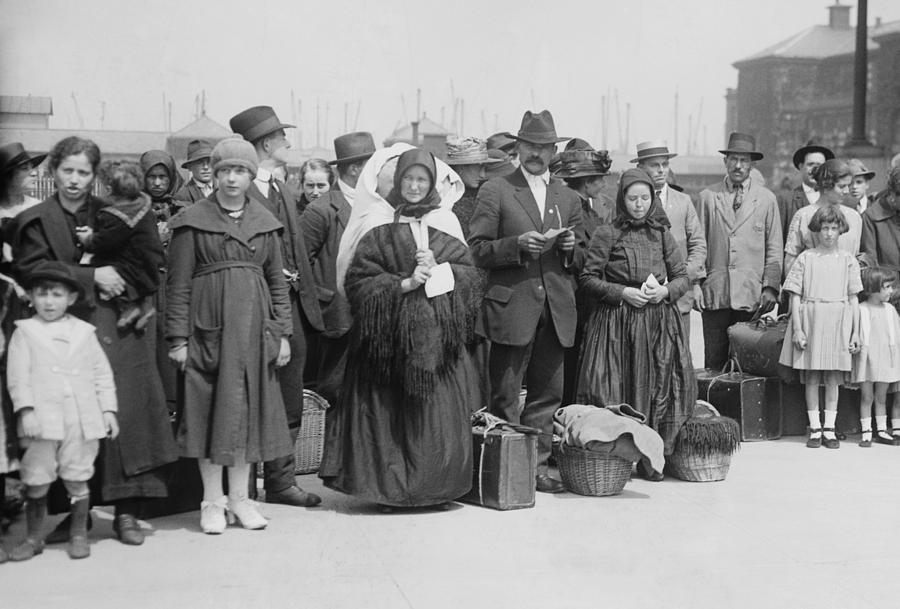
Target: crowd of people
168 319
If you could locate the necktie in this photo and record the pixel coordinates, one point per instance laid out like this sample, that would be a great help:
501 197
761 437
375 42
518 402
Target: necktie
738 198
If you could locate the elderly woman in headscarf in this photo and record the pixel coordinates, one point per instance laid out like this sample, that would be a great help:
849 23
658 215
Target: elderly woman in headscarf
401 435
634 349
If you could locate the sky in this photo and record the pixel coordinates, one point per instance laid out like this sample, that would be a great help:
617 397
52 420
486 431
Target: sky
365 60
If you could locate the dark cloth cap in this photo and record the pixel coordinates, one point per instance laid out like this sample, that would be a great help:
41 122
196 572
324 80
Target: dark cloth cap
581 164
197 150
811 146
538 129
13 155
742 143
501 141
53 270
256 122
353 147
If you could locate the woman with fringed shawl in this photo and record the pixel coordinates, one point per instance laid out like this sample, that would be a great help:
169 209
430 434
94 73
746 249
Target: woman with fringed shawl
401 436
634 349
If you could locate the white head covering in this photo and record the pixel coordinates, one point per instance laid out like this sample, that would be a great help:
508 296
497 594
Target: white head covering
371 210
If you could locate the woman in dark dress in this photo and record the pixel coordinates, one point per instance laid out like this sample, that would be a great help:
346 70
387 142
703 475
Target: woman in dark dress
401 435
633 349
227 323
128 468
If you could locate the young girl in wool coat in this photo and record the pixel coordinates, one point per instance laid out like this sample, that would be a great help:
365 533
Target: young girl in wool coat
877 364
823 284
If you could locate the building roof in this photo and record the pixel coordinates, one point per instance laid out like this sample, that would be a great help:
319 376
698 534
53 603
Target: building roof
426 127
819 42
110 142
202 128
26 104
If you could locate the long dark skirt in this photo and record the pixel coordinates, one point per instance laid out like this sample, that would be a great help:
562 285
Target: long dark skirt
639 357
379 449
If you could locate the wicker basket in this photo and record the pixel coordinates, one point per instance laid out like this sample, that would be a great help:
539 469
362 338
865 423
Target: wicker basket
691 465
310 440
591 473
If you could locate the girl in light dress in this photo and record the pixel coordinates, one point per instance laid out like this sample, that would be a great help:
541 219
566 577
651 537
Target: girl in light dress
877 364
823 284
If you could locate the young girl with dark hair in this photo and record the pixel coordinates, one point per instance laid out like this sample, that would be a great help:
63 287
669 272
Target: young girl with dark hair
823 285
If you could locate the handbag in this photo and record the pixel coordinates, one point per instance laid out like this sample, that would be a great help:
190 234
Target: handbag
756 346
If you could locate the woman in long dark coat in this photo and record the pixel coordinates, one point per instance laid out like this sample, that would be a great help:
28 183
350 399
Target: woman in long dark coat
128 468
401 435
227 322
633 349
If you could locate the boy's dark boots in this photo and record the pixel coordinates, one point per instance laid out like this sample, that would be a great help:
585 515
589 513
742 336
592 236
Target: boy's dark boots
78 531
35 513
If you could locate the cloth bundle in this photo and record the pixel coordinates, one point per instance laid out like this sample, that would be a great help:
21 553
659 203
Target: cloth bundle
618 430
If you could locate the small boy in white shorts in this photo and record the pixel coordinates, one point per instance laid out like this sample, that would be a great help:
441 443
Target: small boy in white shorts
63 391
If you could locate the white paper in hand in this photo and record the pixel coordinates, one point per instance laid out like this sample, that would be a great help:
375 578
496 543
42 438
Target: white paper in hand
650 283
441 280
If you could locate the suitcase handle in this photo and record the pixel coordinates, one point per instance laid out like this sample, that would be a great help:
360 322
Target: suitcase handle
731 364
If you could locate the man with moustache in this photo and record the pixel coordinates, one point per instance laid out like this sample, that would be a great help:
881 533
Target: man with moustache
201 184
744 248
323 223
653 157
260 126
806 160
528 311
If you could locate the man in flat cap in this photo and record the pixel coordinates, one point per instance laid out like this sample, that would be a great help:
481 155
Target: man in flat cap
202 183
744 248
806 160
528 311
323 223
260 126
653 157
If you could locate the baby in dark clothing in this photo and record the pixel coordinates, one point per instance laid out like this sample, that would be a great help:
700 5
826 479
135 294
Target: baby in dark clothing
125 237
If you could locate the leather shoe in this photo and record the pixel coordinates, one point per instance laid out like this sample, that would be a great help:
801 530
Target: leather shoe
60 534
128 530
294 495
546 484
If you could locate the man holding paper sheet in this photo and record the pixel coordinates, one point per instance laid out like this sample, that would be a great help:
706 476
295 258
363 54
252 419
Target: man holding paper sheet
523 233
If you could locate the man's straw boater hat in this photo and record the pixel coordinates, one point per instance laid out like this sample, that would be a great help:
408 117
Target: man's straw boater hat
652 148
538 129
742 143
353 147
256 122
468 151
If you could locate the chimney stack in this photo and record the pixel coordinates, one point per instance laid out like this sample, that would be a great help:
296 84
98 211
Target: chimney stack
839 16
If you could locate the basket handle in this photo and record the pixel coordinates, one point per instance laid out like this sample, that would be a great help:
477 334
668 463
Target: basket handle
710 407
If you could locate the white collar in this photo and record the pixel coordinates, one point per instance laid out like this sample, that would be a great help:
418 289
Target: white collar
348 191
263 175
532 179
808 189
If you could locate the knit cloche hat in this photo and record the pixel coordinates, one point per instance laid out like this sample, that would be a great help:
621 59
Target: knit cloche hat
234 151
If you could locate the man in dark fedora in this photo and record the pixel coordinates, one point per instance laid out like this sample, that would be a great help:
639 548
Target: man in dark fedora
323 223
201 184
744 248
806 160
528 310
260 126
653 157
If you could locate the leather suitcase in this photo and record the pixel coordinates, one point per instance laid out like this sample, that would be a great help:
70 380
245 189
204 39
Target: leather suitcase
793 408
505 466
756 345
753 401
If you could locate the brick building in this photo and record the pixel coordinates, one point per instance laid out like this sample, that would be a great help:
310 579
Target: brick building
802 88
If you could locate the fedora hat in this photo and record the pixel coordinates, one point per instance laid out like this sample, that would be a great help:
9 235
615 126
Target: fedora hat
858 169
256 122
811 146
538 129
652 148
742 143
53 270
468 151
13 155
581 164
197 150
501 141
352 147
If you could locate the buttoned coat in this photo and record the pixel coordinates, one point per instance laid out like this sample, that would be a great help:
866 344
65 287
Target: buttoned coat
688 233
190 192
323 223
518 286
41 377
881 234
743 250
305 287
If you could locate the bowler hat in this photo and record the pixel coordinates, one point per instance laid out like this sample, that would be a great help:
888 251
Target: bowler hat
256 122
538 129
652 148
811 146
468 151
197 150
13 155
501 141
53 270
742 143
353 147
581 164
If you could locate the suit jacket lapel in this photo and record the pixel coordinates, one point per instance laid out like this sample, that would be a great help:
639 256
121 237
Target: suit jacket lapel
552 212
526 199
342 209
725 209
747 208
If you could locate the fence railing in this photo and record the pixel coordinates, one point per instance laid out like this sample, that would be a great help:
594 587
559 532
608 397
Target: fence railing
44 187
